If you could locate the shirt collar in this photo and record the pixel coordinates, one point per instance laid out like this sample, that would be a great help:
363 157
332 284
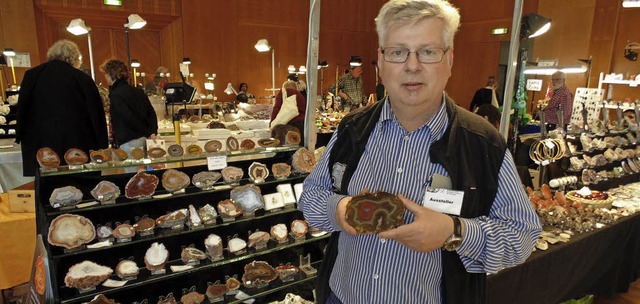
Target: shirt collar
436 125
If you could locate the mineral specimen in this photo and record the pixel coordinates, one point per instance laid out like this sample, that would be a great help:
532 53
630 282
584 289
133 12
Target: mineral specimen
86 275
105 191
75 156
205 179
70 231
65 197
141 185
174 180
374 212
258 172
47 158
232 174
303 161
156 256
258 273
281 170
248 198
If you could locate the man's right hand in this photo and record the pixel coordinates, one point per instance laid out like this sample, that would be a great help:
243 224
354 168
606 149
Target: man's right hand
341 216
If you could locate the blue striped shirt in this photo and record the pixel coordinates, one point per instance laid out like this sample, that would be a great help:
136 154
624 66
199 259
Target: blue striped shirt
373 270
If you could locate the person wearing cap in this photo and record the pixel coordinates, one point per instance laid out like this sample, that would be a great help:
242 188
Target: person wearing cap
350 88
562 99
301 86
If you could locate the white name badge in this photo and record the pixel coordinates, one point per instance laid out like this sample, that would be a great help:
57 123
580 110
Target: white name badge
443 200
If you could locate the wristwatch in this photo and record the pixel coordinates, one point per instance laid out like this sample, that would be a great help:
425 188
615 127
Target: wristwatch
453 242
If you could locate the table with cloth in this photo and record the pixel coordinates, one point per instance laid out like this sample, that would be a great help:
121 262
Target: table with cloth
18 231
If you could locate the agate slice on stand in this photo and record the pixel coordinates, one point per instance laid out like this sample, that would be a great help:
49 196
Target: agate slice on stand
105 192
71 231
86 275
174 180
140 186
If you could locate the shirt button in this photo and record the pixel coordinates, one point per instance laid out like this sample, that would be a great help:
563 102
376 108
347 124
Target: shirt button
399 170
406 138
383 241
375 276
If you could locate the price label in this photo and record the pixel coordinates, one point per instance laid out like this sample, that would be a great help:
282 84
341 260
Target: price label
550 144
217 162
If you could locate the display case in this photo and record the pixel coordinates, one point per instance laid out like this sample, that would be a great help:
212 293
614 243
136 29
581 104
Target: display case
180 273
9 113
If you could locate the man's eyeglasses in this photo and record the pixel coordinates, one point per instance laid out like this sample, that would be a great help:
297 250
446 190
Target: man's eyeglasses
425 55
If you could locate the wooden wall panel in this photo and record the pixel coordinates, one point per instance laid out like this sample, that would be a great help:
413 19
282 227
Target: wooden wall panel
17 31
627 31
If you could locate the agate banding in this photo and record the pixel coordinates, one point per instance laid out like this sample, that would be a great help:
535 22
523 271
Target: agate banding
258 273
280 170
232 144
228 208
86 275
192 297
232 174
303 161
141 185
177 217
268 142
105 191
100 156
156 256
137 153
205 179
175 150
75 156
120 154
292 138
374 212
65 197
156 152
126 269
237 245
190 254
174 180
215 291
213 243
258 239
194 150
124 231
299 228
279 232
47 158
258 172
248 198
247 144
213 146
70 231
144 224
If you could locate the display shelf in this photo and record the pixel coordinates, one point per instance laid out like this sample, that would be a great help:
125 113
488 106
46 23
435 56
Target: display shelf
231 157
190 191
164 233
631 83
145 279
125 210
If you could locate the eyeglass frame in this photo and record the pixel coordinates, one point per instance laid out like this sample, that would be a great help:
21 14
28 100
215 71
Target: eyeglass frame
444 51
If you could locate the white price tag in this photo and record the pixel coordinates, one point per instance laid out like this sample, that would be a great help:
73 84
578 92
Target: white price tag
217 162
114 283
545 162
550 144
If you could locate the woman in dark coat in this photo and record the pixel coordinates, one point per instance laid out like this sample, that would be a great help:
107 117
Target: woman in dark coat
132 115
59 107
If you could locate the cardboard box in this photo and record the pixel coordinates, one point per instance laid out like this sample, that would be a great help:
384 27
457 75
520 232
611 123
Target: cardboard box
23 198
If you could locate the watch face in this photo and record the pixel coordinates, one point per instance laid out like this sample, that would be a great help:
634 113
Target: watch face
452 245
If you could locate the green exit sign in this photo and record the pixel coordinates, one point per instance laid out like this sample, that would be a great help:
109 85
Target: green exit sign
113 2
499 31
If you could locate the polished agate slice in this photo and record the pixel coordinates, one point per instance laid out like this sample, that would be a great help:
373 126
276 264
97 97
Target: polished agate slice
86 275
233 283
105 191
248 198
175 150
191 253
47 158
292 138
194 150
144 224
258 172
287 272
299 228
279 232
120 154
141 185
208 214
169 299
104 231
171 219
124 231
75 156
268 142
374 212
102 299
281 170
194 218
206 179
232 174
213 146
156 256
247 144
303 161
70 231
215 291
228 208
213 244
258 239
100 156
137 153
258 273
237 244
127 269
174 180
191 296
232 144
156 152
65 197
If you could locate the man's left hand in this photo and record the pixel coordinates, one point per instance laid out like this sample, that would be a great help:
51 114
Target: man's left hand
428 231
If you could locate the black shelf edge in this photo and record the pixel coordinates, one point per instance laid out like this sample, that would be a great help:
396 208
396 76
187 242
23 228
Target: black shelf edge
168 233
173 275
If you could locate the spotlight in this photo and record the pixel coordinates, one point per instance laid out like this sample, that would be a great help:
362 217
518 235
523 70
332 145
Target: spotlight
629 52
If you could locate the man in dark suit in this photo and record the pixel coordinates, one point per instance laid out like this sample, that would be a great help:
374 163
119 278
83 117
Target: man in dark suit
59 107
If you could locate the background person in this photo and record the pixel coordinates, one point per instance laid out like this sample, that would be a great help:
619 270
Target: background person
485 95
350 88
243 93
561 99
301 102
490 113
132 116
59 107
414 139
